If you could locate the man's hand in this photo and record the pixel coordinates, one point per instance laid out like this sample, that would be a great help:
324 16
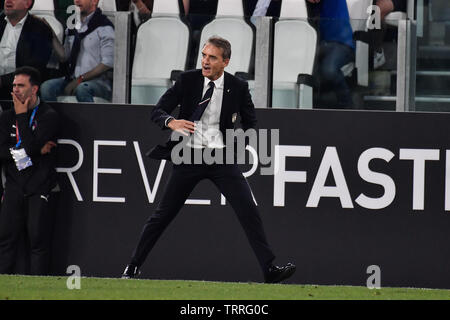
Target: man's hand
48 147
70 88
20 107
182 126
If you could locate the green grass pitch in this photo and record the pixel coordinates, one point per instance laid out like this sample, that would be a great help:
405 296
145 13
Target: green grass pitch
55 288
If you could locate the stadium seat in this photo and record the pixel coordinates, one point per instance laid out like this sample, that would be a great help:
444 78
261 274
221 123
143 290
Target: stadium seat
108 8
230 8
393 18
295 43
73 99
294 9
359 13
107 5
165 7
229 23
46 7
162 44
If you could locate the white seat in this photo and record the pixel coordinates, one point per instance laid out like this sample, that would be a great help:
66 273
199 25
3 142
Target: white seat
295 44
162 44
229 24
107 5
73 99
359 13
165 7
108 8
43 7
294 9
393 18
230 8
238 33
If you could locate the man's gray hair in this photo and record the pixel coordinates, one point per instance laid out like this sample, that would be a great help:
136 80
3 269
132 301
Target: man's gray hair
221 43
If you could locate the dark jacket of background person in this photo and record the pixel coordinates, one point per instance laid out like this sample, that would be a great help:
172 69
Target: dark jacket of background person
33 49
40 178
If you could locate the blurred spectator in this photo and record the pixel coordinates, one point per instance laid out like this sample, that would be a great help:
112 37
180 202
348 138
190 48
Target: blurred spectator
86 59
28 133
336 47
386 7
25 40
141 9
198 13
258 8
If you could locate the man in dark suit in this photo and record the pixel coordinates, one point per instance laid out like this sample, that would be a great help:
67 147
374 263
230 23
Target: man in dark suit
210 100
25 41
28 133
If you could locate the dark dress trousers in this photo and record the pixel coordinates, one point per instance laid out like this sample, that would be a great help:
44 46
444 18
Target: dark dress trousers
187 93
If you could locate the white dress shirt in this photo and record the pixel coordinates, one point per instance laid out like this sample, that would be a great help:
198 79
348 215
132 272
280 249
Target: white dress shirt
207 132
8 45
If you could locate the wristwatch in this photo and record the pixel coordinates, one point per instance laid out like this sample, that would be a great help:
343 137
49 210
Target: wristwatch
80 79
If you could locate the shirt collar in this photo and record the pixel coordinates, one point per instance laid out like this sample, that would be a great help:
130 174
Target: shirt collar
218 83
88 18
20 23
38 101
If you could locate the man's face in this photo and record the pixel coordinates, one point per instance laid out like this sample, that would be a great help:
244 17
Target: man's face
15 7
86 6
213 63
23 88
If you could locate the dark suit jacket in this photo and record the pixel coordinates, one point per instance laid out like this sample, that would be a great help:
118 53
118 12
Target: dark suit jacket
40 178
187 93
33 49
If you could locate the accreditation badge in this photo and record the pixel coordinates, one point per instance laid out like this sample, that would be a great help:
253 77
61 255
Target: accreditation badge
21 158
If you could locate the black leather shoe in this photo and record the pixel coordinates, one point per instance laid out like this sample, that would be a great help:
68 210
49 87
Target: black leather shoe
277 274
131 271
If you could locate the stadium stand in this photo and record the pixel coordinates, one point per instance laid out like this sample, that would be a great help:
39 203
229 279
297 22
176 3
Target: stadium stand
162 45
107 5
229 23
46 9
358 19
295 43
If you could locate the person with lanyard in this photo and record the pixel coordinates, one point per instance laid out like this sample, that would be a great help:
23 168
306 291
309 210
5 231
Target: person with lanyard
28 136
210 101
86 59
